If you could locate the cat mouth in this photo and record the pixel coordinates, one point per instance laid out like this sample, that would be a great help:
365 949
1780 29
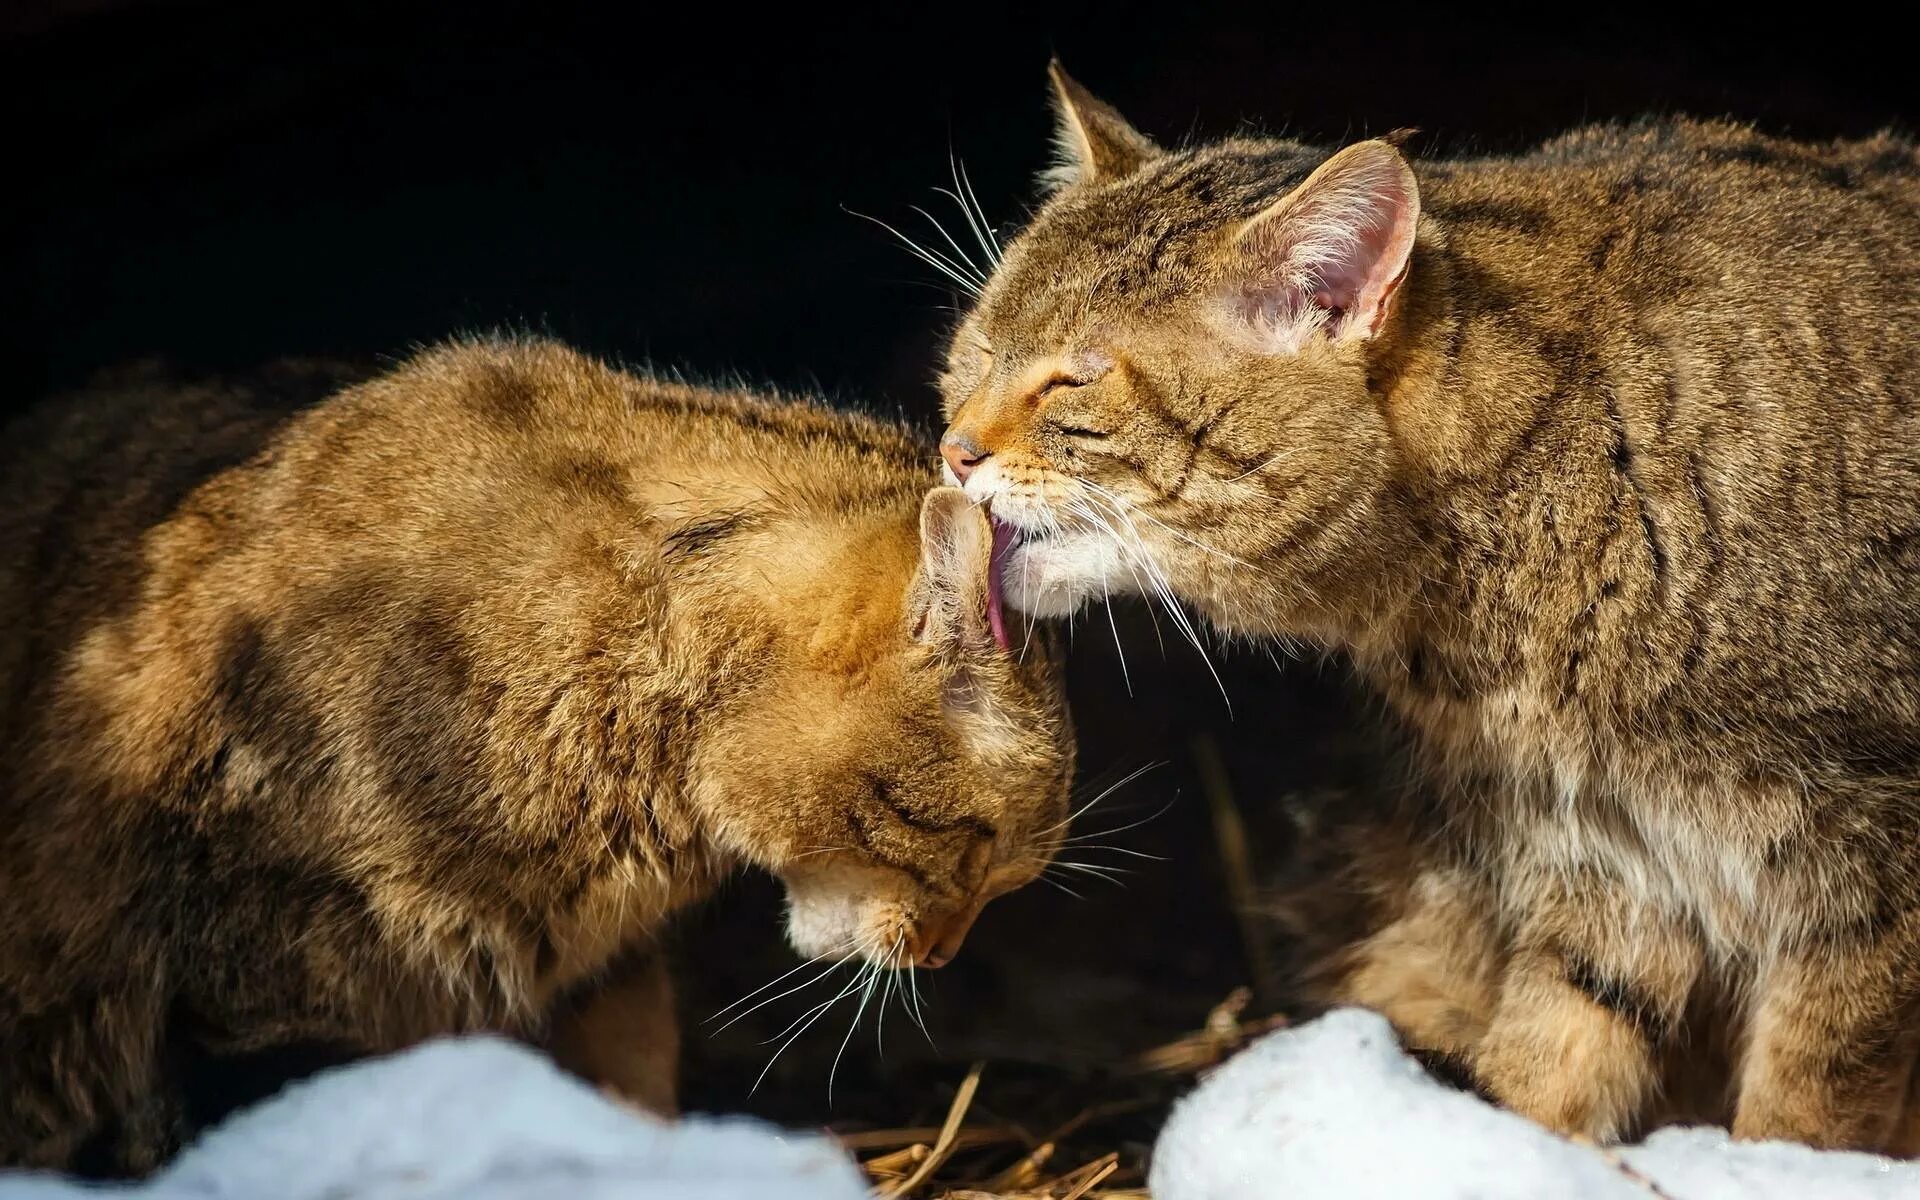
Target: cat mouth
1005 537
1008 540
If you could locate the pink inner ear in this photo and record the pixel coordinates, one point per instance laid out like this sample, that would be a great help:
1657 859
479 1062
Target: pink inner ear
1330 256
1377 264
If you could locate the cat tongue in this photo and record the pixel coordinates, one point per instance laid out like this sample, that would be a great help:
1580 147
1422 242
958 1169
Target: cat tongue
1003 535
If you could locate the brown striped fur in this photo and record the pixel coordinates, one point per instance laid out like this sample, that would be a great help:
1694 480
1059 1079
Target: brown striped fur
422 710
1602 463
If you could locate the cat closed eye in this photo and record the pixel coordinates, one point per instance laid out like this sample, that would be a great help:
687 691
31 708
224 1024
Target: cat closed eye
1081 431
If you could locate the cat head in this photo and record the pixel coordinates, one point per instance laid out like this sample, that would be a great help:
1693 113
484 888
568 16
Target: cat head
1164 386
914 753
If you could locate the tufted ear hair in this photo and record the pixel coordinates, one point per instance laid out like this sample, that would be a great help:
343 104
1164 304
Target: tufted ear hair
950 600
1092 143
1329 256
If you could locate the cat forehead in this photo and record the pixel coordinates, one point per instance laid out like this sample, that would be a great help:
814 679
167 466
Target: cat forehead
1132 242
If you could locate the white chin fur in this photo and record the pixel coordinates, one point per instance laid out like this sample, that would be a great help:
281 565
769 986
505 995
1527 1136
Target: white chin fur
829 924
1058 576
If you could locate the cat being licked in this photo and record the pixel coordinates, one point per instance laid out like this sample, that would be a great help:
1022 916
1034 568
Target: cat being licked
423 709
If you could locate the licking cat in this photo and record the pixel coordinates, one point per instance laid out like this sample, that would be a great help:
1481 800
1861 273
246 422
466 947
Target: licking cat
424 708
1599 463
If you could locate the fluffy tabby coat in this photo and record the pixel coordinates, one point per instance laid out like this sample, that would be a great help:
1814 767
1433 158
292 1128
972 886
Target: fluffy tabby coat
1603 464
427 715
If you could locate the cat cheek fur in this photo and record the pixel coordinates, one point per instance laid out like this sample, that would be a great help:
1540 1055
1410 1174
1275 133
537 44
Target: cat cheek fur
843 909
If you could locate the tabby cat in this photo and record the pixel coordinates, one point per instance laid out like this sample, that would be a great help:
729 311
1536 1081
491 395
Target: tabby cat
427 715
1602 463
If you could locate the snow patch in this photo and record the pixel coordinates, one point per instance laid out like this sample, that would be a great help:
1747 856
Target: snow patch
474 1119
1333 1109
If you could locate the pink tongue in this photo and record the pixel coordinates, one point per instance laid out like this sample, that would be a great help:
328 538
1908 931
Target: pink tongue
996 574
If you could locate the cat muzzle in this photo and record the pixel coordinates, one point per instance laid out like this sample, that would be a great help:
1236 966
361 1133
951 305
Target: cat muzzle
937 941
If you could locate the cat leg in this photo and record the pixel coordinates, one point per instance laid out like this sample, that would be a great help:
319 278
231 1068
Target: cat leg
1905 1140
1593 990
1832 1045
80 1087
622 1033
1433 970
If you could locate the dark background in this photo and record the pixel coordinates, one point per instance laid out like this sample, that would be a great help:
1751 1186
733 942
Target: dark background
220 184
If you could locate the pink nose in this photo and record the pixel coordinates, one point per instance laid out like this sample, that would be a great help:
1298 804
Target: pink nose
963 454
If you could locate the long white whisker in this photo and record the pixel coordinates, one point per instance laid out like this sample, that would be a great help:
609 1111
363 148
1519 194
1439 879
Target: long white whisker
919 1018
1108 873
773 983
1050 881
961 255
1281 457
1126 676
1127 513
872 975
1162 590
931 257
809 1018
976 223
987 239
1154 816
824 1004
1109 790
1116 850
887 987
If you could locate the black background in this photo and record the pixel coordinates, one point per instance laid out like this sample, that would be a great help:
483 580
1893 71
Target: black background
220 184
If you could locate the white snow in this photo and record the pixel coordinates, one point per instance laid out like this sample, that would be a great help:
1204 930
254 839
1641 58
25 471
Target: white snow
474 1119
1334 1109
1329 1109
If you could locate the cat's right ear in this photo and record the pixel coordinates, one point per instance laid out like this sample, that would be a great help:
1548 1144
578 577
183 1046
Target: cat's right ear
949 605
1329 257
1092 143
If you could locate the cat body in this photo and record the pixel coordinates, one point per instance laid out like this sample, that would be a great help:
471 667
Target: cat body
423 709
1602 463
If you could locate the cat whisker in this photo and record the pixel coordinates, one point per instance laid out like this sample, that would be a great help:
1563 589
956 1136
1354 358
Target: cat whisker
1281 457
802 986
1115 502
821 850
1161 589
1109 790
1050 881
871 971
1111 874
1106 849
1126 676
889 984
988 240
1092 874
811 1013
930 256
1153 816
970 208
962 257
913 991
809 1018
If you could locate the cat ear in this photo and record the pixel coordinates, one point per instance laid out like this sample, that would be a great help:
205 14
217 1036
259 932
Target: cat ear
1329 257
1092 143
949 606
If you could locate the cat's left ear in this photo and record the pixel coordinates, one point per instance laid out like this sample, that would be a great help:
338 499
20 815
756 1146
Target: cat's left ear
948 608
1092 142
1330 256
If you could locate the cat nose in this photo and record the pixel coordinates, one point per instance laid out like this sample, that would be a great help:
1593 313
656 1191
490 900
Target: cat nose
943 940
962 453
